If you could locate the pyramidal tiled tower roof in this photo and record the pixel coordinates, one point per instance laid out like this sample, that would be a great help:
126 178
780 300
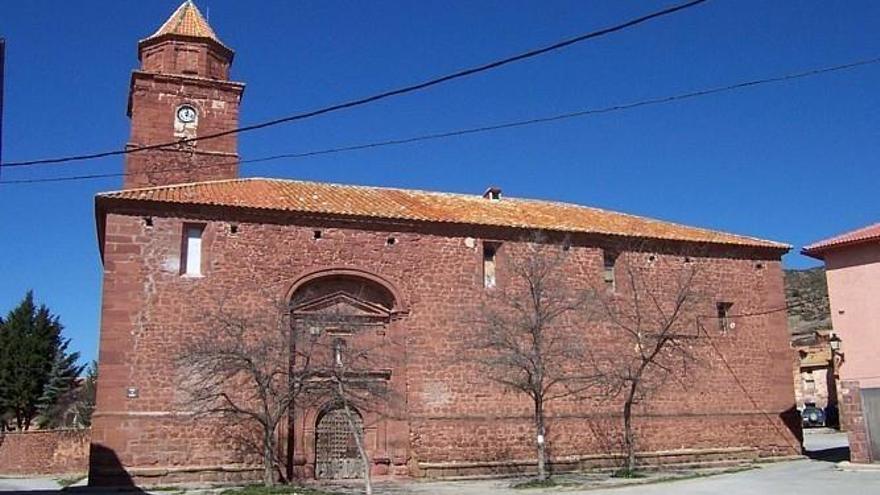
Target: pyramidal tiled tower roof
187 20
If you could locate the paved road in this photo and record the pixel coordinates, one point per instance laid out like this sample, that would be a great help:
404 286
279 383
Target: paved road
791 478
820 439
28 485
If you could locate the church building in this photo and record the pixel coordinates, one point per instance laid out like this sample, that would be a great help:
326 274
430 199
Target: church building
186 234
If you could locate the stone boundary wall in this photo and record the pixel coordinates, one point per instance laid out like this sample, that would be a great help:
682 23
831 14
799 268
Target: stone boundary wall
44 452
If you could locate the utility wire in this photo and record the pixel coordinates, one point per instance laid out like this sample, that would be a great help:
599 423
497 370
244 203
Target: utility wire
765 312
380 96
747 392
758 313
486 129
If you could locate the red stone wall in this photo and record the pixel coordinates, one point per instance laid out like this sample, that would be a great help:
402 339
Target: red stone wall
854 421
44 452
193 57
741 396
153 101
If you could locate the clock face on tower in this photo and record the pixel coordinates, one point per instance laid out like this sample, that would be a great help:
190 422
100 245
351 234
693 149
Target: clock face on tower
186 114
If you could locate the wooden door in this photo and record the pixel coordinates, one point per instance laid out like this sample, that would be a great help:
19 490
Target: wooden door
335 448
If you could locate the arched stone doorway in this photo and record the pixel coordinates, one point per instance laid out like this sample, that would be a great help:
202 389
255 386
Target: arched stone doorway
336 453
346 322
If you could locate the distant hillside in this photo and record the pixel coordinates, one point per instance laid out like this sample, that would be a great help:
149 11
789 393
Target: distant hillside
807 297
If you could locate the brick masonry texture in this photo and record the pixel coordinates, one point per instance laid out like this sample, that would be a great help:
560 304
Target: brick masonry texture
154 100
452 416
44 452
854 421
177 71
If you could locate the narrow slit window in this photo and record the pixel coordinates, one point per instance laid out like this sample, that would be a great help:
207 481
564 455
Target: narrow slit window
724 323
489 253
609 259
192 250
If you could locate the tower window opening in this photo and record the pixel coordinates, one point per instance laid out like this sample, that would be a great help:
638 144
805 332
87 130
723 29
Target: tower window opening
191 257
609 260
724 322
490 252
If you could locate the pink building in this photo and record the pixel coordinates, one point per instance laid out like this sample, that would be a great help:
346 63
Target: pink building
852 263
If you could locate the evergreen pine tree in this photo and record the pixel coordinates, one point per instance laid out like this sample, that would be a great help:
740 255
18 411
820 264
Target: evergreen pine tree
59 393
30 345
80 412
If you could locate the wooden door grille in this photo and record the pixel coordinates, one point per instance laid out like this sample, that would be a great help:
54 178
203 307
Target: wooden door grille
335 447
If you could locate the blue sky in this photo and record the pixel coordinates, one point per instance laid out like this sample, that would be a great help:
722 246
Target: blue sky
793 162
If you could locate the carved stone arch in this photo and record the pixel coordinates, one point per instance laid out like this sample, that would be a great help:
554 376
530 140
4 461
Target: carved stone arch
358 308
328 285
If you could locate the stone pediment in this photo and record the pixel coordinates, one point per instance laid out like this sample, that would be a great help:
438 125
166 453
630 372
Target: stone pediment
344 306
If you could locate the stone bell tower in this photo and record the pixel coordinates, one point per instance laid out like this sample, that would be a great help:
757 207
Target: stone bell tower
182 91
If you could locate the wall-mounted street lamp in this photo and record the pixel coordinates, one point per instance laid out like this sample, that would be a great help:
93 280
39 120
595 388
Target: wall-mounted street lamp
835 343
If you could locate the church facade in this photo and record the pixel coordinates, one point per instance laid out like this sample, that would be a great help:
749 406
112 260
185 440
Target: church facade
186 232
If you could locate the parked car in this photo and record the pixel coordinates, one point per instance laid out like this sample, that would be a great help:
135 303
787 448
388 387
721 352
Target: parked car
812 416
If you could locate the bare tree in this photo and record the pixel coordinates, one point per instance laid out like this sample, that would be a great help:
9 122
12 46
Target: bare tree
352 364
650 304
240 369
529 337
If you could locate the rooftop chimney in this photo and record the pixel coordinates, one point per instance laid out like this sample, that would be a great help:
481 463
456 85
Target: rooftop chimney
493 193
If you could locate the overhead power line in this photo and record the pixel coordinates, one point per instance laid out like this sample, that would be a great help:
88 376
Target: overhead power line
488 128
763 312
379 96
771 418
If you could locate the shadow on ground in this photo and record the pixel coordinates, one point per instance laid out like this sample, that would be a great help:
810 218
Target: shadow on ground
836 454
112 478
826 444
84 490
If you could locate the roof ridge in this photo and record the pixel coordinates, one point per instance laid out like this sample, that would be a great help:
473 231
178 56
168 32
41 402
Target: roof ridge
341 184
524 199
384 188
175 186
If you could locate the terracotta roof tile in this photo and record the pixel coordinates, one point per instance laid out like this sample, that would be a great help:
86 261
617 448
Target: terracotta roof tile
423 206
187 20
864 234
817 358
